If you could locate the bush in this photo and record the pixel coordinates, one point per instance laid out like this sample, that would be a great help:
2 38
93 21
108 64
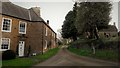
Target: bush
9 54
81 43
111 45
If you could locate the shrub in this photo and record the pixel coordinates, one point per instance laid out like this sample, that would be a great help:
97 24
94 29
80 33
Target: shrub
111 45
81 43
9 54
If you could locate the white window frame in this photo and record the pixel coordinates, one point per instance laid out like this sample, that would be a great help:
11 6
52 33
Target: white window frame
10 25
8 45
25 27
46 31
45 44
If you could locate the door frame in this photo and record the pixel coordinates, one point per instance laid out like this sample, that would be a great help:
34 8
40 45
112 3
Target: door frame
23 47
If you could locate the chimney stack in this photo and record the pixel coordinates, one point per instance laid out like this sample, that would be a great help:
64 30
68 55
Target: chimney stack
36 10
48 22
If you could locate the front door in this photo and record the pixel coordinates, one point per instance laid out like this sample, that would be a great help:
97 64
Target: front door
21 48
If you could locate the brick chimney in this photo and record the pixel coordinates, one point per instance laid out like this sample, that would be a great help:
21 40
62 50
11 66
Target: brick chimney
36 10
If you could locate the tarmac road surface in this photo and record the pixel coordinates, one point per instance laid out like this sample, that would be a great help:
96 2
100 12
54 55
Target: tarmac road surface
66 58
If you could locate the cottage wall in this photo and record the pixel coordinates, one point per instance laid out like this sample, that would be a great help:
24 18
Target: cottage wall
34 36
0 28
50 38
14 34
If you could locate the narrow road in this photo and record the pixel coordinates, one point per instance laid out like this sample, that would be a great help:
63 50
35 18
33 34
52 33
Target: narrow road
66 58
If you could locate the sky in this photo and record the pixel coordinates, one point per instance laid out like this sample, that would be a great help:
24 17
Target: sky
56 10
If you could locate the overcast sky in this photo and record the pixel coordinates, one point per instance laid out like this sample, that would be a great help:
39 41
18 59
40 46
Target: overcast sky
56 10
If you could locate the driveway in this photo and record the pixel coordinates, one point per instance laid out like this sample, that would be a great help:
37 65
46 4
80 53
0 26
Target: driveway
66 58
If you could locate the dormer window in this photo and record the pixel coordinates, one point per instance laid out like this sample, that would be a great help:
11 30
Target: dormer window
22 27
6 25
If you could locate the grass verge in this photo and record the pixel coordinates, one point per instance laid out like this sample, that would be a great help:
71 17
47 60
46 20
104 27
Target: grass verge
109 55
28 62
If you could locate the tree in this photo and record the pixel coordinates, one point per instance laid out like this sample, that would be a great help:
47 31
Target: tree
68 28
92 17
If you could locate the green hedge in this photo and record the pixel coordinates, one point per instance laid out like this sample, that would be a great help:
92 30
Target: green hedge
81 43
109 43
104 54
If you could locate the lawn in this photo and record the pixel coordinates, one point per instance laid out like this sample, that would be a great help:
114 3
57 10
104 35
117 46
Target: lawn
28 62
109 55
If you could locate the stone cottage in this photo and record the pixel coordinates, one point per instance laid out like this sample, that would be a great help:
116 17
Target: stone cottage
24 31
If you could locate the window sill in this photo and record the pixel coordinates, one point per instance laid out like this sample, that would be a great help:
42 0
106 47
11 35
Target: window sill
5 31
4 49
21 33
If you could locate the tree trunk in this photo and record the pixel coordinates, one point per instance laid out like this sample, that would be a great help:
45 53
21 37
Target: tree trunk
93 48
96 33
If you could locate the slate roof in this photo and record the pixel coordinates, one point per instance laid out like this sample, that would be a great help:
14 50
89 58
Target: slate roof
111 28
11 9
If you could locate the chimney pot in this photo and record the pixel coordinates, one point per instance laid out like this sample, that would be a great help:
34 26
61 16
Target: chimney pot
48 22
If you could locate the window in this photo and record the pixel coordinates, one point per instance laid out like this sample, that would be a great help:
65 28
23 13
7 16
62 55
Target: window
6 24
5 44
45 44
46 32
52 33
22 27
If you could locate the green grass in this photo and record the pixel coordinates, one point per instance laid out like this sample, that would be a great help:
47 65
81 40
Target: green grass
109 55
28 62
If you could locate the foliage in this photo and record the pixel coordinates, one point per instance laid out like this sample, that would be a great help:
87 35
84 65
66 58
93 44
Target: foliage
29 50
27 62
9 54
91 15
47 55
81 43
111 43
68 28
106 43
104 54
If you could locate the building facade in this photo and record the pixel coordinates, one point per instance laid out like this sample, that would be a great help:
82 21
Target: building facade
24 31
111 31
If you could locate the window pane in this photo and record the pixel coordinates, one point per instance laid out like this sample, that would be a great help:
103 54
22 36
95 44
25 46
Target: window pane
6 25
22 27
5 43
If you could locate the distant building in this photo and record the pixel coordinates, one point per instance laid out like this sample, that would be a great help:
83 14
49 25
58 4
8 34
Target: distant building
24 31
111 31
